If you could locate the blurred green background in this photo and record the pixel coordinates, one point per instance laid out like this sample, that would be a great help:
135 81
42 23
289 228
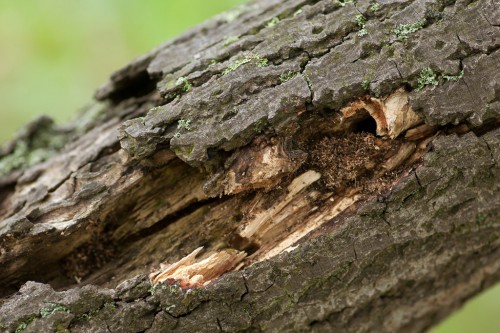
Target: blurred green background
54 53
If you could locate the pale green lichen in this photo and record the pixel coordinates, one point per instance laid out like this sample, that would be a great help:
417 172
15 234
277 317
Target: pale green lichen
230 40
52 308
404 30
362 32
261 62
297 13
182 124
284 77
361 22
22 326
184 84
365 84
21 156
275 20
455 77
374 6
427 77
235 65
89 315
345 2
92 313
173 289
43 141
152 289
110 305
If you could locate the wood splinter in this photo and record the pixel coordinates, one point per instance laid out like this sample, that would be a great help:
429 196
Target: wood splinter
404 152
190 273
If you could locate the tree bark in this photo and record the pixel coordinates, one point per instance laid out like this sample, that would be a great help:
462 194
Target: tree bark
336 160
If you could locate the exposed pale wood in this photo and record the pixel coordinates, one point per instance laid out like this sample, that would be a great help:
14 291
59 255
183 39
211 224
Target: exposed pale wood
264 219
402 155
420 132
393 114
156 170
190 273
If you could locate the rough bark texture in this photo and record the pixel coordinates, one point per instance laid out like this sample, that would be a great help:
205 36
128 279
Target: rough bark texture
223 143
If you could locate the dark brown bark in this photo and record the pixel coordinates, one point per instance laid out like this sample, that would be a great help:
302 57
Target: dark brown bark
340 157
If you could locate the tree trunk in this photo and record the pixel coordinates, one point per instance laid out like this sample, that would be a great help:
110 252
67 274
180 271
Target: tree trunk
300 165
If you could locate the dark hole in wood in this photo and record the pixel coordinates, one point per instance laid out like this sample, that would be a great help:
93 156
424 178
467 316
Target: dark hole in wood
243 244
367 125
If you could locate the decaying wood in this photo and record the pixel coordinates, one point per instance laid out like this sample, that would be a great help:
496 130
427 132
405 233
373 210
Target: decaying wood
393 115
325 172
191 274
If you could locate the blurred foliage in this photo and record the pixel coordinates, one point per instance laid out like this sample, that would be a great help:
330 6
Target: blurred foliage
479 315
54 53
